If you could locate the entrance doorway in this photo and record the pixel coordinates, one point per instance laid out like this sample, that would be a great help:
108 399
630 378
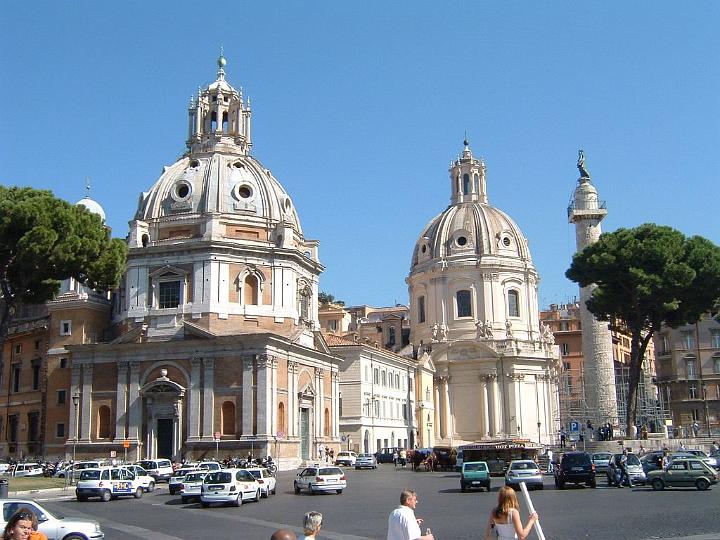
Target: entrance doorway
165 438
305 433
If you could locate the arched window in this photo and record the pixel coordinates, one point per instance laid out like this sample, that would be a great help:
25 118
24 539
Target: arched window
376 376
227 420
513 303
282 426
104 426
466 184
397 381
250 290
328 427
225 122
464 304
391 338
213 121
477 183
421 309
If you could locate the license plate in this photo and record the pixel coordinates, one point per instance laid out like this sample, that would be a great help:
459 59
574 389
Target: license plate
475 482
577 469
215 488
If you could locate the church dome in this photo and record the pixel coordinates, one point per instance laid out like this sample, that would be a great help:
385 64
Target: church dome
469 226
219 183
218 176
93 206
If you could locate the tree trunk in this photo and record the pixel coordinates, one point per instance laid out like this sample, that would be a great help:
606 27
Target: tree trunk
638 347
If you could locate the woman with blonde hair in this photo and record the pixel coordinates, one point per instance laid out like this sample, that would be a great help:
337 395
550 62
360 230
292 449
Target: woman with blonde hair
505 519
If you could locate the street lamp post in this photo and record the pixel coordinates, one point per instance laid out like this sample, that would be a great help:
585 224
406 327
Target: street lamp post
76 402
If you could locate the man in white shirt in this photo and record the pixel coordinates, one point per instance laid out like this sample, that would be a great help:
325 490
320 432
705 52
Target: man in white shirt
402 523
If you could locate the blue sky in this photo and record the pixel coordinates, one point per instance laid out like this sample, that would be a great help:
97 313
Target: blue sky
359 107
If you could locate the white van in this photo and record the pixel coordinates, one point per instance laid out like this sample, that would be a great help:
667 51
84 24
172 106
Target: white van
159 469
28 469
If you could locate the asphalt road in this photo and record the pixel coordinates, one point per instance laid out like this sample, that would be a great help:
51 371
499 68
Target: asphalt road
361 511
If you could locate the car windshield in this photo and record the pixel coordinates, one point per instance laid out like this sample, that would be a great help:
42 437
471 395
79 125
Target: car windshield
90 474
602 456
218 477
195 477
523 465
699 453
632 459
256 473
364 456
146 465
181 472
475 467
330 470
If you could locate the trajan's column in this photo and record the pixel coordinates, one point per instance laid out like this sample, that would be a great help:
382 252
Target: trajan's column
586 212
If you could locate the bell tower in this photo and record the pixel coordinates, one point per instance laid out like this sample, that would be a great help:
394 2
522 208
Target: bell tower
467 178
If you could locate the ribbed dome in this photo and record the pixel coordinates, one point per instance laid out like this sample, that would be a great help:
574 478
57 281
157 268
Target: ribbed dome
470 229
217 183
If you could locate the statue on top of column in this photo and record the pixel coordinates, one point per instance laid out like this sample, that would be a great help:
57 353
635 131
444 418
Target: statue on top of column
581 164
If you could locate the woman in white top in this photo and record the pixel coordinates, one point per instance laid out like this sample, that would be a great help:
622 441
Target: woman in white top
505 518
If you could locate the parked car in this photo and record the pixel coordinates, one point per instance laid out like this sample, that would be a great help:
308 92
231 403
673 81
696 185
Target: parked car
524 470
78 466
709 460
634 469
268 483
54 526
229 486
345 457
497 467
652 461
159 469
191 488
147 481
575 468
459 459
684 472
176 480
107 483
716 455
316 479
27 469
385 455
601 461
365 461
474 475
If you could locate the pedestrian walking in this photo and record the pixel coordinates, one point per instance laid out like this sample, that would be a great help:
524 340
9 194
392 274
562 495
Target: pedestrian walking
402 523
550 461
562 437
396 458
624 470
403 458
312 522
505 522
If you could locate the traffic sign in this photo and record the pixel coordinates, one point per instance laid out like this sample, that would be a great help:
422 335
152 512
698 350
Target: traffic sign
574 426
126 444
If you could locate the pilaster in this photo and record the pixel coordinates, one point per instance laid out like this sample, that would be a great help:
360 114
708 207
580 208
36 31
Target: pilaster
121 400
208 397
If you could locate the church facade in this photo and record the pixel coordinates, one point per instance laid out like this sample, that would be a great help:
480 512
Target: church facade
217 346
474 312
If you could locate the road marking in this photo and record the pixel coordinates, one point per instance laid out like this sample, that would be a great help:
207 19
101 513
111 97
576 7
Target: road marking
709 536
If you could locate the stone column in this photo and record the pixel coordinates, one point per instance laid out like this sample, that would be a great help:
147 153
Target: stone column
135 401
336 409
264 389
121 395
320 399
208 398
86 402
247 407
292 428
447 411
485 378
436 409
497 407
193 406
515 404
273 397
74 431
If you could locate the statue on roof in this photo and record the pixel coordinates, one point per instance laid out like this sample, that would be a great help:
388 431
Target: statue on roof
581 164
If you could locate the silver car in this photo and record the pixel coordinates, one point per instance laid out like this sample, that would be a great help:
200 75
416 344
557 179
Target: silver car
191 487
366 461
53 525
524 470
601 461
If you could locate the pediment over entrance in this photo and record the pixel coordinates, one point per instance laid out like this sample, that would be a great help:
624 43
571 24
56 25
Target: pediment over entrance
162 386
307 392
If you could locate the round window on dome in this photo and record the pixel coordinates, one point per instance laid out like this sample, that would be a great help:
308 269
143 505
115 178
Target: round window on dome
243 191
506 241
182 191
462 241
194 164
288 205
238 165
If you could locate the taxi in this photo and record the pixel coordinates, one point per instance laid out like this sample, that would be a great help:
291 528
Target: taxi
108 483
233 486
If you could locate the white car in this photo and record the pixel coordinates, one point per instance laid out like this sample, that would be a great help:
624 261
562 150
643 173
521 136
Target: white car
55 527
345 457
108 483
268 483
77 467
191 487
147 481
317 478
27 469
176 480
160 469
229 486
205 465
